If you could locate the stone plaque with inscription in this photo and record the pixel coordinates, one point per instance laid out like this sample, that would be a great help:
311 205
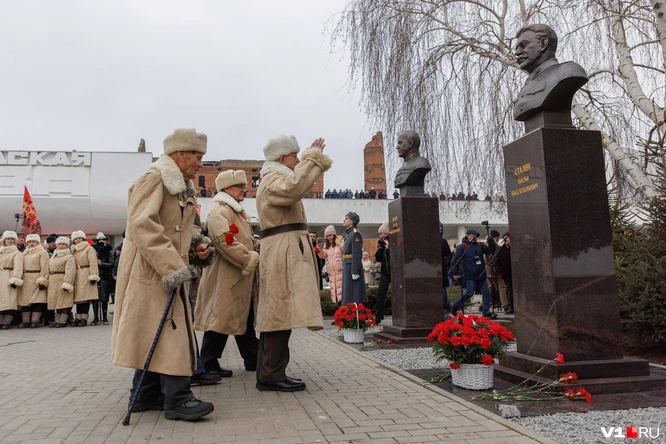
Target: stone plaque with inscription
416 269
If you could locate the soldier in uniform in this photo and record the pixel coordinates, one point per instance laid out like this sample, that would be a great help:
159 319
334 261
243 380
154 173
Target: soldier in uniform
353 279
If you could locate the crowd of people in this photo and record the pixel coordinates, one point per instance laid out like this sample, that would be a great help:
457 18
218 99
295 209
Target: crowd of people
45 281
216 278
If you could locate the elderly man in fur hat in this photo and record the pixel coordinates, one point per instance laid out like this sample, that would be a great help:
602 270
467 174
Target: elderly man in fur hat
224 303
289 291
161 239
353 279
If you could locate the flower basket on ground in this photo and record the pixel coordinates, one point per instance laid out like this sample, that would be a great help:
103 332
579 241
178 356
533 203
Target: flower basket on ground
471 344
354 319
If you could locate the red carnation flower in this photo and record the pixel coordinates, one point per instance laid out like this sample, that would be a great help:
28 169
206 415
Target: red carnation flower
454 366
229 239
559 358
487 360
234 229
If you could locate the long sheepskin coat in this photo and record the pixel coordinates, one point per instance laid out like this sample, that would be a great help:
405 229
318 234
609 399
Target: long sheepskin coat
62 274
289 289
11 272
221 308
35 273
87 273
160 225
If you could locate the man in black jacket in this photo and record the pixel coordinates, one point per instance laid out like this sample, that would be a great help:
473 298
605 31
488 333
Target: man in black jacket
503 261
105 262
383 256
468 264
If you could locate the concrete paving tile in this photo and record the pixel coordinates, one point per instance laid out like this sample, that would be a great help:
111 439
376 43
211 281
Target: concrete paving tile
83 398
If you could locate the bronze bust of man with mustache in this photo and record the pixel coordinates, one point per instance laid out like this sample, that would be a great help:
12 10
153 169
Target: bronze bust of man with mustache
547 94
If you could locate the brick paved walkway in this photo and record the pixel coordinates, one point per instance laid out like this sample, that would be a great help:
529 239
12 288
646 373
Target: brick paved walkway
60 386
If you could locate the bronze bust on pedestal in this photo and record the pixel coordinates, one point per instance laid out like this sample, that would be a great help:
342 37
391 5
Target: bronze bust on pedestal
546 97
411 175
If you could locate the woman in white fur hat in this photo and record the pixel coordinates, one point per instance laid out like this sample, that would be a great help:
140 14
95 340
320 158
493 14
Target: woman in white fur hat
222 310
11 277
87 275
62 274
32 297
332 252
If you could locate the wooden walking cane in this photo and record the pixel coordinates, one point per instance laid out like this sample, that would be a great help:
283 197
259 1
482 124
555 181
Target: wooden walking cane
126 421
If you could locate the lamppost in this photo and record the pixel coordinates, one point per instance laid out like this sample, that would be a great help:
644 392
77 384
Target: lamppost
18 217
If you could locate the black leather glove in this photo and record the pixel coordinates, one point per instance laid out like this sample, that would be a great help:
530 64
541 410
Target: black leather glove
93 282
42 287
13 285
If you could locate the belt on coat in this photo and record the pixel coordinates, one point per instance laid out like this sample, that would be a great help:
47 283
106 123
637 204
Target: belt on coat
57 272
83 266
284 229
32 271
347 256
6 268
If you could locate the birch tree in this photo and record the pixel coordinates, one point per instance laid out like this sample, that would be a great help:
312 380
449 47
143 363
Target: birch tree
445 68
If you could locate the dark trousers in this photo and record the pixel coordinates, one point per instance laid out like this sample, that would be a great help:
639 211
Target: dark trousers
382 291
83 307
156 387
470 287
273 356
213 345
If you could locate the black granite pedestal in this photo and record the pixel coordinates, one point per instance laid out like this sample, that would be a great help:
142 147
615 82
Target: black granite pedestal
416 269
564 287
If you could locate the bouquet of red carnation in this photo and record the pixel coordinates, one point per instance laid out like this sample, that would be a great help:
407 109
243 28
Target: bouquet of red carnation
469 340
356 316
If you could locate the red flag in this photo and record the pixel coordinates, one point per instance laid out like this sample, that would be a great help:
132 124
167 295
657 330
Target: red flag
30 223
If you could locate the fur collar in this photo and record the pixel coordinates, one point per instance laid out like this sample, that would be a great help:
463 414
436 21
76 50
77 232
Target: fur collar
273 166
80 246
8 249
226 199
33 250
61 253
172 177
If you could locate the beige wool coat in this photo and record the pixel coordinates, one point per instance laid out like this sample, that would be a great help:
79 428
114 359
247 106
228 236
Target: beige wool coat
87 273
221 308
35 272
289 288
62 274
11 272
154 260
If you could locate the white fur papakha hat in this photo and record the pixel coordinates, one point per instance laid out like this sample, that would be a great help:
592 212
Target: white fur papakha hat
228 178
62 240
33 237
280 145
78 235
8 235
185 139
383 228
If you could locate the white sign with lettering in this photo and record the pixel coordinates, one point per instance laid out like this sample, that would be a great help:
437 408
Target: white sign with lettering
46 158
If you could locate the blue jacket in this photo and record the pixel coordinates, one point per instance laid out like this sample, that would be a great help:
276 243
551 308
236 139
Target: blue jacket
468 260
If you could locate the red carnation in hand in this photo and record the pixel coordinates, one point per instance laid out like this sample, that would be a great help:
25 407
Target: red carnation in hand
317 250
229 239
234 229
559 358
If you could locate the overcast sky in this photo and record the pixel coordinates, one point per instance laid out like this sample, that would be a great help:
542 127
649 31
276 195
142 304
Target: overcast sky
100 75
